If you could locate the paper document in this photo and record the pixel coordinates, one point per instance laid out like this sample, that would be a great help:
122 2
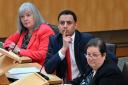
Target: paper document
17 76
23 70
18 73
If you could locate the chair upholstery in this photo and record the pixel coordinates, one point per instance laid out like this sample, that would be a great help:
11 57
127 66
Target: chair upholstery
125 72
111 47
54 28
111 50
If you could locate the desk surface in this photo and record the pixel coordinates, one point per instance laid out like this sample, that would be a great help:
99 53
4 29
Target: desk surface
53 78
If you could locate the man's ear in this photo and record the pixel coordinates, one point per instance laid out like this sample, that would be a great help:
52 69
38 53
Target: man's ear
76 25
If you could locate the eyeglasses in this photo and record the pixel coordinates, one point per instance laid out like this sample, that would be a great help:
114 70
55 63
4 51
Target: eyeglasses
93 55
63 22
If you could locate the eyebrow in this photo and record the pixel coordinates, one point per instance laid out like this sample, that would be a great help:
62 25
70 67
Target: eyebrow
66 20
93 52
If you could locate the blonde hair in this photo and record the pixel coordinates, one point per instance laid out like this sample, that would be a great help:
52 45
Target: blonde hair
29 6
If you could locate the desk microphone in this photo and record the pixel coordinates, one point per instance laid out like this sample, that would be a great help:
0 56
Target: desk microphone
44 76
20 33
17 41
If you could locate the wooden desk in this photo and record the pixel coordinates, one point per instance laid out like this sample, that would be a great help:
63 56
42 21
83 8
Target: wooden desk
17 58
53 79
25 59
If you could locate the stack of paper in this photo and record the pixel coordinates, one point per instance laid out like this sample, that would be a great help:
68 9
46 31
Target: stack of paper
18 73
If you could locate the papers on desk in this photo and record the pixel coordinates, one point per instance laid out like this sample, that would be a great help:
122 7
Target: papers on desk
18 73
23 70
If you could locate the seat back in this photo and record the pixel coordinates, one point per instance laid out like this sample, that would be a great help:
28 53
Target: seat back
111 51
54 28
111 47
125 72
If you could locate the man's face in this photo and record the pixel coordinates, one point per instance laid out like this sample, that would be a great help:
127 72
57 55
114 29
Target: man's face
67 23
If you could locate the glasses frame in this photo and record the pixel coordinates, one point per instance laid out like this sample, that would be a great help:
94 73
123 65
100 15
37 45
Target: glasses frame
93 55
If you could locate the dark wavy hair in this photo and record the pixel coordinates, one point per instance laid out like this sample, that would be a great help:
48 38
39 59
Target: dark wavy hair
97 42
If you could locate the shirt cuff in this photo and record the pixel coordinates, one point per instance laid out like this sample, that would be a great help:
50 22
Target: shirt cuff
61 55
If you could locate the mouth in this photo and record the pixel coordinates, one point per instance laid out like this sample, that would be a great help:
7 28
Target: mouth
66 32
27 23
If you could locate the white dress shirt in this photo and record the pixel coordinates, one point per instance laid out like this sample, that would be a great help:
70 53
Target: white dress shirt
74 69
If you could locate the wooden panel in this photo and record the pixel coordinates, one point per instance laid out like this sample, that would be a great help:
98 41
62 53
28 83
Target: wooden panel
6 18
122 52
93 15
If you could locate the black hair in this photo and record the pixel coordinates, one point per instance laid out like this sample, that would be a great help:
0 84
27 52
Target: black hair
97 42
68 12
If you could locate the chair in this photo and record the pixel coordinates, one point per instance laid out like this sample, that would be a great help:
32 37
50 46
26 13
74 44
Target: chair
125 72
111 47
54 28
111 50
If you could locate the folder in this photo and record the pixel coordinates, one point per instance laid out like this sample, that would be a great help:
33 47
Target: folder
32 79
10 55
6 62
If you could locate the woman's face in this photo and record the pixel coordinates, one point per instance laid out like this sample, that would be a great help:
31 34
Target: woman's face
27 19
94 58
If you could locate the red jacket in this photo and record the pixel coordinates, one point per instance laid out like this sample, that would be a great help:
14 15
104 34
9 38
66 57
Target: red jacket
38 44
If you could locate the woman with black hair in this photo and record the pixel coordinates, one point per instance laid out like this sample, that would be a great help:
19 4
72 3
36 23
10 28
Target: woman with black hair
101 69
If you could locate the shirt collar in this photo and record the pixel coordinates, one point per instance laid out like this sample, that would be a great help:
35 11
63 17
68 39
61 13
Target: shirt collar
73 37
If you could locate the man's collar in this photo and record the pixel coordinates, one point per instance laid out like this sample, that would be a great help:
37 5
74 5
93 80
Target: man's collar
73 37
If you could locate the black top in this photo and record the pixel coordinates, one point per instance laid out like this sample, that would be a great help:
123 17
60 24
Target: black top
26 40
107 74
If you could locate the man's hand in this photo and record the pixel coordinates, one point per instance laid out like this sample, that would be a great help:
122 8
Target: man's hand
66 41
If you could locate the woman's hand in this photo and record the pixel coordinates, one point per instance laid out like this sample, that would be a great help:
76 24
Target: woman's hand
14 48
11 46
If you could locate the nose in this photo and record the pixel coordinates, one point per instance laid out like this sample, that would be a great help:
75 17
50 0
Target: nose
65 25
25 17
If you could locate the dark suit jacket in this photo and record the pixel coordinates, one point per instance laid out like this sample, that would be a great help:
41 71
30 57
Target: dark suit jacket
53 62
107 74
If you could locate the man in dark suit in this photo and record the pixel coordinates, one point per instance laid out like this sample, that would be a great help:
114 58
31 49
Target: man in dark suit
67 64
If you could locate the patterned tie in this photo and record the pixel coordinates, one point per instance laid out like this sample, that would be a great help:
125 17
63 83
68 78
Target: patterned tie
88 79
69 77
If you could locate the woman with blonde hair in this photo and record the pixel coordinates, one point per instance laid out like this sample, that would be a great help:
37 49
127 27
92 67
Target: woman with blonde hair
32 36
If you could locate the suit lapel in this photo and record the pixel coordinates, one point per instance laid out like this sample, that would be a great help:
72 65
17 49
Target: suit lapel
79 53
59 43
76 50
